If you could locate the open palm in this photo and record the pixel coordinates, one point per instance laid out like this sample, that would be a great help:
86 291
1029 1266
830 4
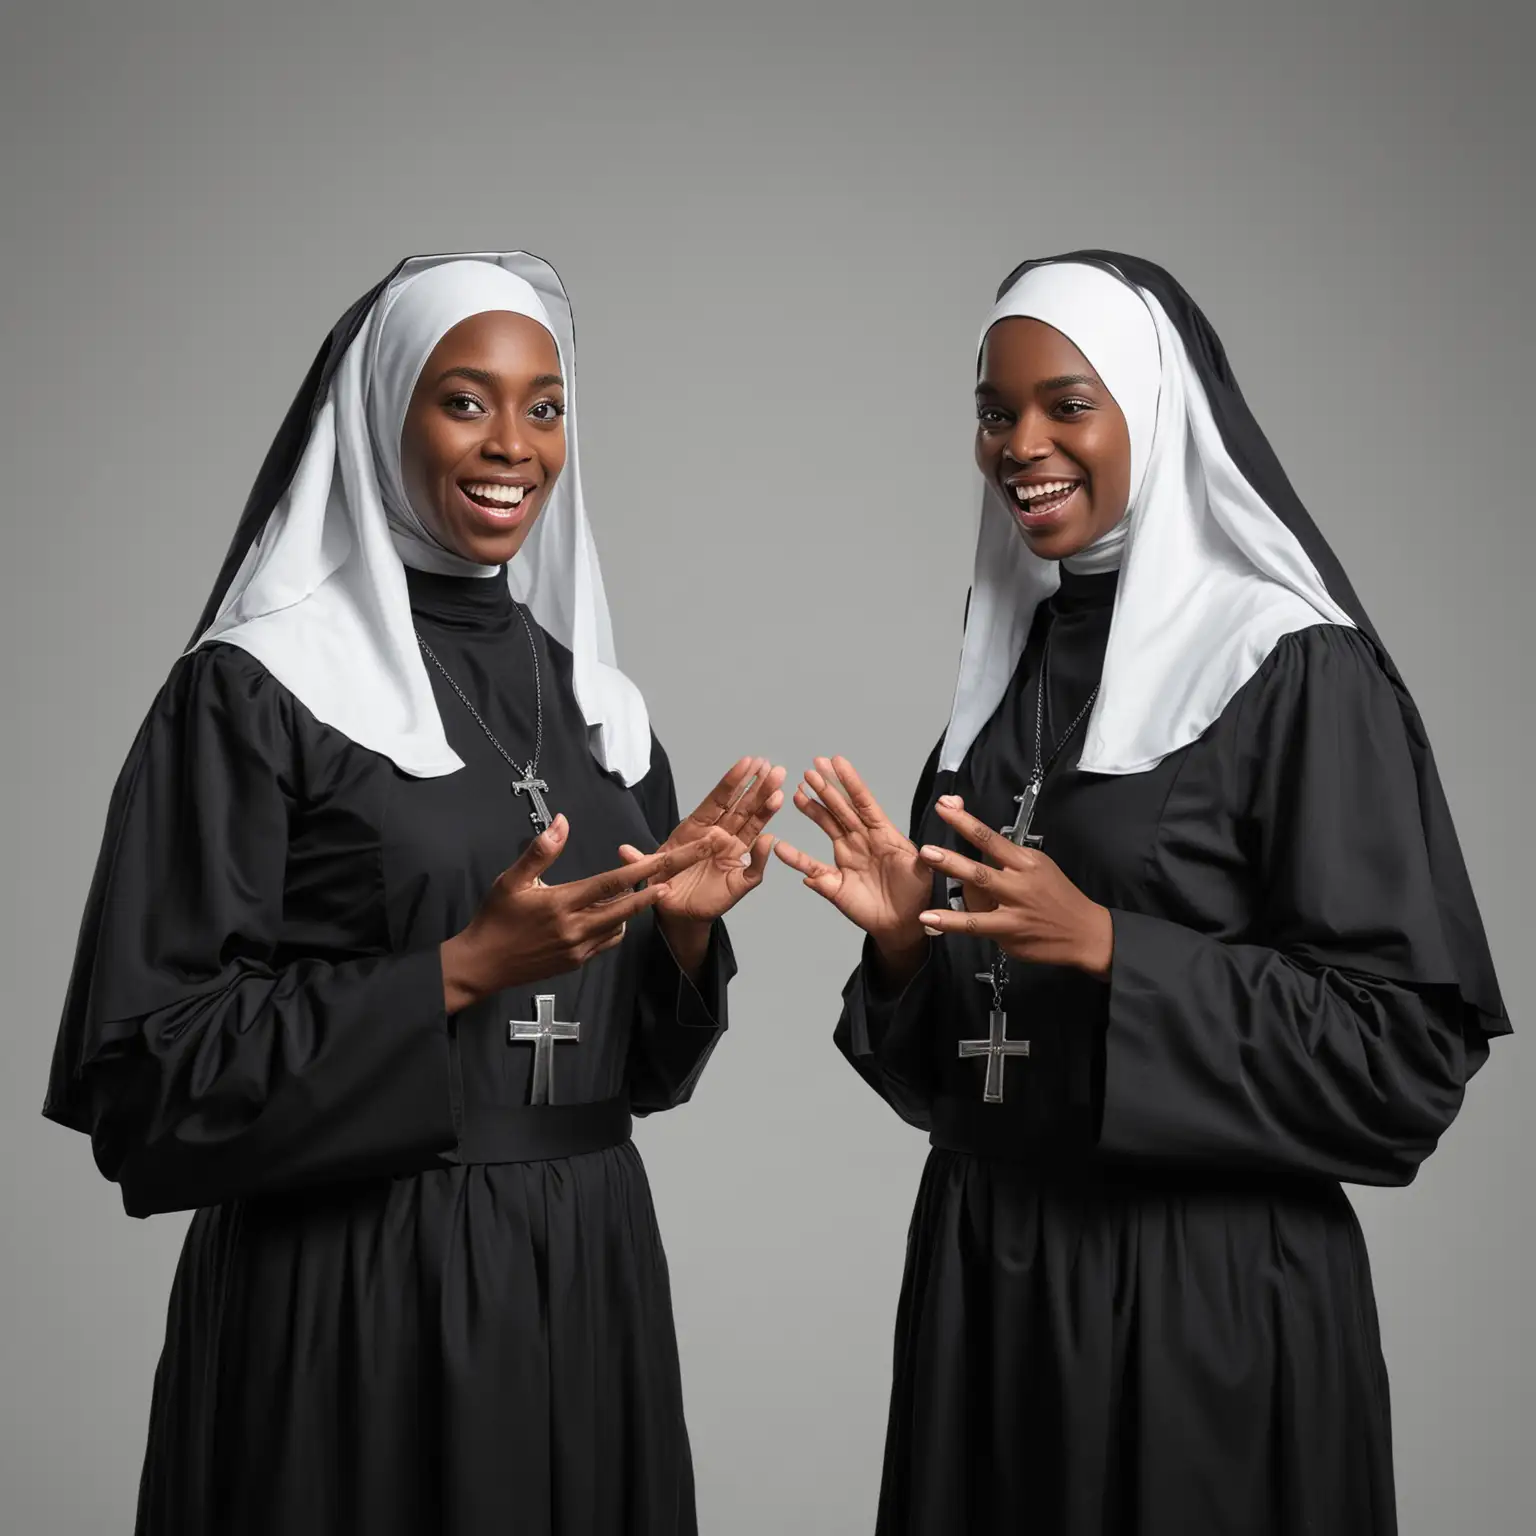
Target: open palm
876 880
739 806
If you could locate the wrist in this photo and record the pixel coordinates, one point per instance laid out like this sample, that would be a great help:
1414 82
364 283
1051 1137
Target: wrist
462 982
687 938
1096 951
899 957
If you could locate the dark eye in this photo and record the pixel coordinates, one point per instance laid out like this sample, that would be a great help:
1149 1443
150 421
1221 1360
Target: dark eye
548 410
464 405
989 416
1073 407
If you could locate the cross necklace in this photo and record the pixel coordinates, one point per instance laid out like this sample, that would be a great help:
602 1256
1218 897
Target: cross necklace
526 780
544 1031
997 1047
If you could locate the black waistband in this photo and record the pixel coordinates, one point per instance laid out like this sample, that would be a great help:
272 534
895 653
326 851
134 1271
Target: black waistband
980 1130
536 1133
975 1129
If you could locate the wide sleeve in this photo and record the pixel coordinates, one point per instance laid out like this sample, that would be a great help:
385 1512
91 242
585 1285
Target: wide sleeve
203 1061
1332 1040
885 1035
678 1019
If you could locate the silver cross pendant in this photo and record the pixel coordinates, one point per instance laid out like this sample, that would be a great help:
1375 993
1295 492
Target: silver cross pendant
1019 833
534 787
544 1032
997 1047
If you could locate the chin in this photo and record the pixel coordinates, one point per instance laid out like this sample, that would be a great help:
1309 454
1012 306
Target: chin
1057 543
492 547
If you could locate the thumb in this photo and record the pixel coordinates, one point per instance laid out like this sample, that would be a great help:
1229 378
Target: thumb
757 864
539 855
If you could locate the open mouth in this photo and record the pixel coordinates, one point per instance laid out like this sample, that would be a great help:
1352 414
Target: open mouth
502 504
1039 505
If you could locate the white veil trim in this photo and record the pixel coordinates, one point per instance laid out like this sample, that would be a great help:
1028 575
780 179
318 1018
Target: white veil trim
321 599
1210 578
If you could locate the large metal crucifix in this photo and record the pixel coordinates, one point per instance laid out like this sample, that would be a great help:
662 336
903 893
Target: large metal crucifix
544 1031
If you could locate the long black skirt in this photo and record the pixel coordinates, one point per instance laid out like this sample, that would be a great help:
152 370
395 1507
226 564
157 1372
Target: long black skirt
1092 1354
474 1350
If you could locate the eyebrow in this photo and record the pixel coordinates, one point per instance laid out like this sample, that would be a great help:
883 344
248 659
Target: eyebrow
490 381
1061 381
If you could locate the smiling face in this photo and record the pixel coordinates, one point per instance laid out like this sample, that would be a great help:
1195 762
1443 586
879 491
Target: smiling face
484 436
1050 438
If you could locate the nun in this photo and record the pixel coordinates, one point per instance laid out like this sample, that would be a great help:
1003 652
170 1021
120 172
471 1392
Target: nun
1180 942
395 927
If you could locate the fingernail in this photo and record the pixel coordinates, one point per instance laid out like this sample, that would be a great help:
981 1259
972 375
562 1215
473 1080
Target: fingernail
928 851
933 933
952 801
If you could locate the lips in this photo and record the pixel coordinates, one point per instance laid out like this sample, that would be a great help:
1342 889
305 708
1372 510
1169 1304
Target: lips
503 506
1040 504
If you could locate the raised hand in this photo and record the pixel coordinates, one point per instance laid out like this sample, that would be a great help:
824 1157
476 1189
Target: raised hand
734 814
876 879
528 931
1022 900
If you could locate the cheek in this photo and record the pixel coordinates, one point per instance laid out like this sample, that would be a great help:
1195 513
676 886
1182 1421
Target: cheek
1111 468
421 460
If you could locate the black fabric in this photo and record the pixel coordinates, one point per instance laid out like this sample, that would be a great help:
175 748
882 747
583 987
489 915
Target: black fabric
1251 452
1136 1299
378 1324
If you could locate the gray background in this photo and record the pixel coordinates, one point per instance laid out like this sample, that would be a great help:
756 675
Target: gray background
781 232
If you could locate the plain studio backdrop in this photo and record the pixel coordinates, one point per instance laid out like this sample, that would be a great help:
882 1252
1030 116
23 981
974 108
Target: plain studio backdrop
780 231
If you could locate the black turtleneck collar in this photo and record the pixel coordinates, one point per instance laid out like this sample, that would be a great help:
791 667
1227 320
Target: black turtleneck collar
1079 593
461 602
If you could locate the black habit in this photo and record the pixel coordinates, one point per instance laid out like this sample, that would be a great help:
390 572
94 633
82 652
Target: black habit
1136 1299
408 1302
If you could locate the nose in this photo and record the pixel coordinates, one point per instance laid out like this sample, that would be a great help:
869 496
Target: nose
1029 441
506 444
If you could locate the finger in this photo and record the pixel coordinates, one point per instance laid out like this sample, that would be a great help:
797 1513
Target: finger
979 835
748 793
982 924
801 862
757 804
611 942
858 793
823 780
539 855
825 879
724 795
662 864
752 872
807 806
956 864
769 807
602 919
977 900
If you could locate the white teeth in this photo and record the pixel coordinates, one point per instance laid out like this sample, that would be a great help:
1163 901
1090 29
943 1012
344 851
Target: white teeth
1029 493
507 495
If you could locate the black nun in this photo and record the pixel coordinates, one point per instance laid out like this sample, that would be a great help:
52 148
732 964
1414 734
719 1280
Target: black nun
1182 940
393 931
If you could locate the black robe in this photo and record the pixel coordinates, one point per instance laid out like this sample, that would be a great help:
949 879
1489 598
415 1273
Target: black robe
398 1309
1136 1298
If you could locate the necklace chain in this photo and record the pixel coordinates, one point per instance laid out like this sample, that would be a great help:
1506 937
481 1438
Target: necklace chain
999 973
1037 777
532 768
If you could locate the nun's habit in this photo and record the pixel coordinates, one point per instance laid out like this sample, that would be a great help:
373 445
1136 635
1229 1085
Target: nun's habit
410 1300
1136 1298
